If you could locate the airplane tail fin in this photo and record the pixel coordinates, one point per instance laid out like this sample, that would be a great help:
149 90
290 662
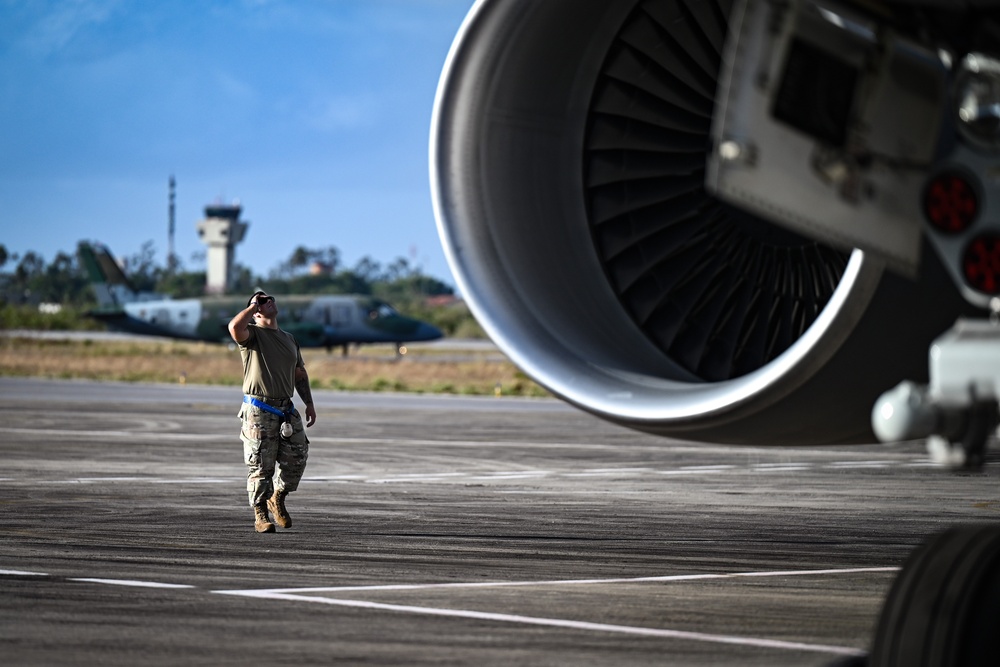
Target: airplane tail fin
111 286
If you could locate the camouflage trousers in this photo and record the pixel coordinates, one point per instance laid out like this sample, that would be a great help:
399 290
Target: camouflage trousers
273 462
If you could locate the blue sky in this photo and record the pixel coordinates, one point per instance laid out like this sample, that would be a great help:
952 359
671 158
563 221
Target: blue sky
314 114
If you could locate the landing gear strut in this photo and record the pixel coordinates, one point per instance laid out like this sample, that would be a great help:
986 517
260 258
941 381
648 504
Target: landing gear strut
958 411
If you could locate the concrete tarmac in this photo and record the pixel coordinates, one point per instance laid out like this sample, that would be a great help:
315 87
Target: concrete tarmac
436 530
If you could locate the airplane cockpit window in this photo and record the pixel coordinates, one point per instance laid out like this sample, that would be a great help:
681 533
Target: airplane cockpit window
382 310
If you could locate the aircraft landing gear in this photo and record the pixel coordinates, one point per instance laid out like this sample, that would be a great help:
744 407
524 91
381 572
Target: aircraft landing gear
943 608
958 411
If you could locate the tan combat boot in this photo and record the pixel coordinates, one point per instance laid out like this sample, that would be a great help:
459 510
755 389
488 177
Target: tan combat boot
276 504
262 523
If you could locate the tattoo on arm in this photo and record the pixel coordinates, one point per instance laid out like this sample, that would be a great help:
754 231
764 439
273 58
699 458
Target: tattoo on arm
302 386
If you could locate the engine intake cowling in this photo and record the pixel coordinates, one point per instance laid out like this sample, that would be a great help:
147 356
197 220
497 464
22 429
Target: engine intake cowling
568 155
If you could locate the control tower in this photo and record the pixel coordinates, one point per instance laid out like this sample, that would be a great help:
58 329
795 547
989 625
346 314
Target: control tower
221 230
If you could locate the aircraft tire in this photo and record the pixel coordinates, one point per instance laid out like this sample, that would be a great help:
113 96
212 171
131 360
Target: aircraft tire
943 608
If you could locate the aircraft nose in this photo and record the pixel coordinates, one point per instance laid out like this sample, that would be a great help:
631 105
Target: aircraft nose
427 332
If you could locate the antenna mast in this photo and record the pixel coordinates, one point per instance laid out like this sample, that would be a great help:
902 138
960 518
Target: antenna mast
170 228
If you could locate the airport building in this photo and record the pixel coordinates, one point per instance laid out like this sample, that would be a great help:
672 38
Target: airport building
221 230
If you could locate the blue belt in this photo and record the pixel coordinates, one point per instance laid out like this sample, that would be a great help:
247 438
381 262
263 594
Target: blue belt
257 403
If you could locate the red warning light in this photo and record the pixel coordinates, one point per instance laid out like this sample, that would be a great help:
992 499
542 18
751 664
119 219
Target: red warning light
950 203
981 263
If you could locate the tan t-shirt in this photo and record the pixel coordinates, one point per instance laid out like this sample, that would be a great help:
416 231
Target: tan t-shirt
269 360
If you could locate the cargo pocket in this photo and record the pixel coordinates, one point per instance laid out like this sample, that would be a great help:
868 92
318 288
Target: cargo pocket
251 453
257 424
253 430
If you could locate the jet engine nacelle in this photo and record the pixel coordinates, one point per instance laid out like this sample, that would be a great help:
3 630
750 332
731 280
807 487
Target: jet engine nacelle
568 166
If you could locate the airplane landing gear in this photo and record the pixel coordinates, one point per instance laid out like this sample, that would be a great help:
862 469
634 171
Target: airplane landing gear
981 419
943 608
958 411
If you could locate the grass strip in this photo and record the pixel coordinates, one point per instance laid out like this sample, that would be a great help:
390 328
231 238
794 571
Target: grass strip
369 369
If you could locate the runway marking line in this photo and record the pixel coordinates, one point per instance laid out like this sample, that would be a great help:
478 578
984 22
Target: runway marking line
513 475
308 595
299 595
130 582
423 475
69 433
502 476
581 625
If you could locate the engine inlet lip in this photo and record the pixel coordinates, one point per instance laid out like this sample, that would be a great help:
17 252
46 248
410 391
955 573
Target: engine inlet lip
618 391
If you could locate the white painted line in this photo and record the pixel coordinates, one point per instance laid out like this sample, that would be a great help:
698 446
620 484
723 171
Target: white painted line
504 473
564 582
860 464
431 477
129 582
477 584
695 470
505 478
576 625
335 478
309 595
94 480
416 477
22 573
393 480
150 480
492 444
589 474
524 474
426 475
793 573
198 480
852 464
150 435
770 466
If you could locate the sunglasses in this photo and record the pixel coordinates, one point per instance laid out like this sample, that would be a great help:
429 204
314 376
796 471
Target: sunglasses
261 300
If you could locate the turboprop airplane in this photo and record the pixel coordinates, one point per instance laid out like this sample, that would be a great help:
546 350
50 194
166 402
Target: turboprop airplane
744 221
315 321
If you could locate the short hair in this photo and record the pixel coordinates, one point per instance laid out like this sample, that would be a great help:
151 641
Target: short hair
255 295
